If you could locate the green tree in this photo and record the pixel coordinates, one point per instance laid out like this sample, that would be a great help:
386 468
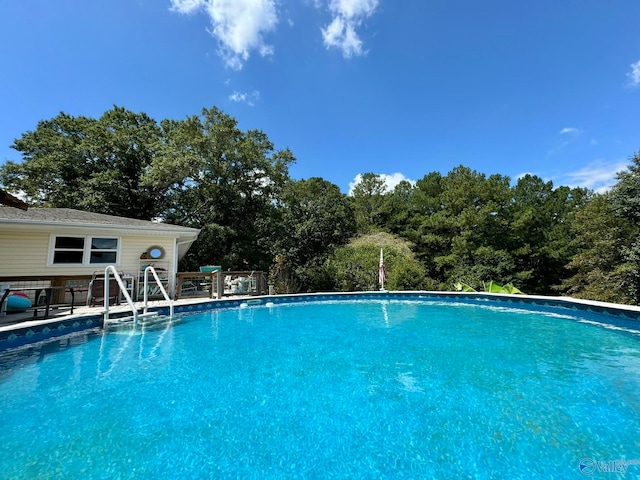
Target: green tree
227 183
354 267
600 271
625 199
419 229
625 195
462 227
398 207
368 200
539 236
315 218
95 165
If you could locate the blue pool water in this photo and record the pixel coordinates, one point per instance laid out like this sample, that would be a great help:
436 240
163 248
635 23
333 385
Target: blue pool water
349 389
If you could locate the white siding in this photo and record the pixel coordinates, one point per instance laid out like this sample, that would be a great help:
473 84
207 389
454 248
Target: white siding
23 254
133 247
27 253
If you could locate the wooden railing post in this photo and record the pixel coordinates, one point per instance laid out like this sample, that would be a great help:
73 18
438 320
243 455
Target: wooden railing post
220 285
215 288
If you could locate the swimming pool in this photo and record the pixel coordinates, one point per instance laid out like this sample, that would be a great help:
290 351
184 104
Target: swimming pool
331 389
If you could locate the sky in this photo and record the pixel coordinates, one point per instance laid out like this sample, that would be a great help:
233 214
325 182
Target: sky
400 88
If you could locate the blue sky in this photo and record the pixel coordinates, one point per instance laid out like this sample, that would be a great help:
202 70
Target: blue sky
400 88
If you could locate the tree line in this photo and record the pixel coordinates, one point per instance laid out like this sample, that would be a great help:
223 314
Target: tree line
205 172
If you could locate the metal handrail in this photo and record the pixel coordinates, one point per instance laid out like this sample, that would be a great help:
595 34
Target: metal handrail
146 289
124 291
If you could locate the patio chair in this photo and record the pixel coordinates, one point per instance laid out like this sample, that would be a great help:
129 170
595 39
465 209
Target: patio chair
95 297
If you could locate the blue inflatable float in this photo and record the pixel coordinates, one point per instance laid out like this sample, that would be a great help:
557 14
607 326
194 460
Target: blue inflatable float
17 302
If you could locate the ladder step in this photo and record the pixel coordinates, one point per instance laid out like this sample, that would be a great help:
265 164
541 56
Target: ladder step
145 322
141 316
114 320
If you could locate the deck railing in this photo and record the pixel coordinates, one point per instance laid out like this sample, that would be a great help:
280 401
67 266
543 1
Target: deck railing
43 301
218 284
54 300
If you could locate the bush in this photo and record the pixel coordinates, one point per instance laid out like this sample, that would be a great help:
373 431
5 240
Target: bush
354 267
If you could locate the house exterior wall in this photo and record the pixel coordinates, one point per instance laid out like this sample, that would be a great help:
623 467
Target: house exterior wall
23 255
27 252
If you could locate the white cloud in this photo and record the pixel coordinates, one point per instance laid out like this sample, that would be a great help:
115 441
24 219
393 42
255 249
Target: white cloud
390 181
634 74
354 182
186 6
248 98
570 135
341 35
599 175
238 25
394 179
341 32
353 8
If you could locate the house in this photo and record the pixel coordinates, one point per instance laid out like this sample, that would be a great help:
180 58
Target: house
63 245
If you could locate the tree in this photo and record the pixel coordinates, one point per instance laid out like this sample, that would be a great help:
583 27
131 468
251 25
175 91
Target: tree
539 236
427 201
368 200
354 267
227 183
462 227
94 165
625 195
600 271
315 218
398 207
625 199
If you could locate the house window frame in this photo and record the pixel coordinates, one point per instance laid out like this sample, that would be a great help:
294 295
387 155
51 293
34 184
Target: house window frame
87 250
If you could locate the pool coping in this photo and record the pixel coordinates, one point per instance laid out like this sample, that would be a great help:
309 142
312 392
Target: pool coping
618 316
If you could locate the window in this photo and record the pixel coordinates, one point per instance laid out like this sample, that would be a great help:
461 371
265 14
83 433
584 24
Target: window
85 251
68 250
103 250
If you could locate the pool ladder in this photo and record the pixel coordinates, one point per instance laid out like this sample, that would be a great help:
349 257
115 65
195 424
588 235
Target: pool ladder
136 317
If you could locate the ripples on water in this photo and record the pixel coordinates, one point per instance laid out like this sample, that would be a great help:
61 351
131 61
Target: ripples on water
320 390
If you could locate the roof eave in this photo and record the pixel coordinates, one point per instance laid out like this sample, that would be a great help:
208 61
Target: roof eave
173 229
